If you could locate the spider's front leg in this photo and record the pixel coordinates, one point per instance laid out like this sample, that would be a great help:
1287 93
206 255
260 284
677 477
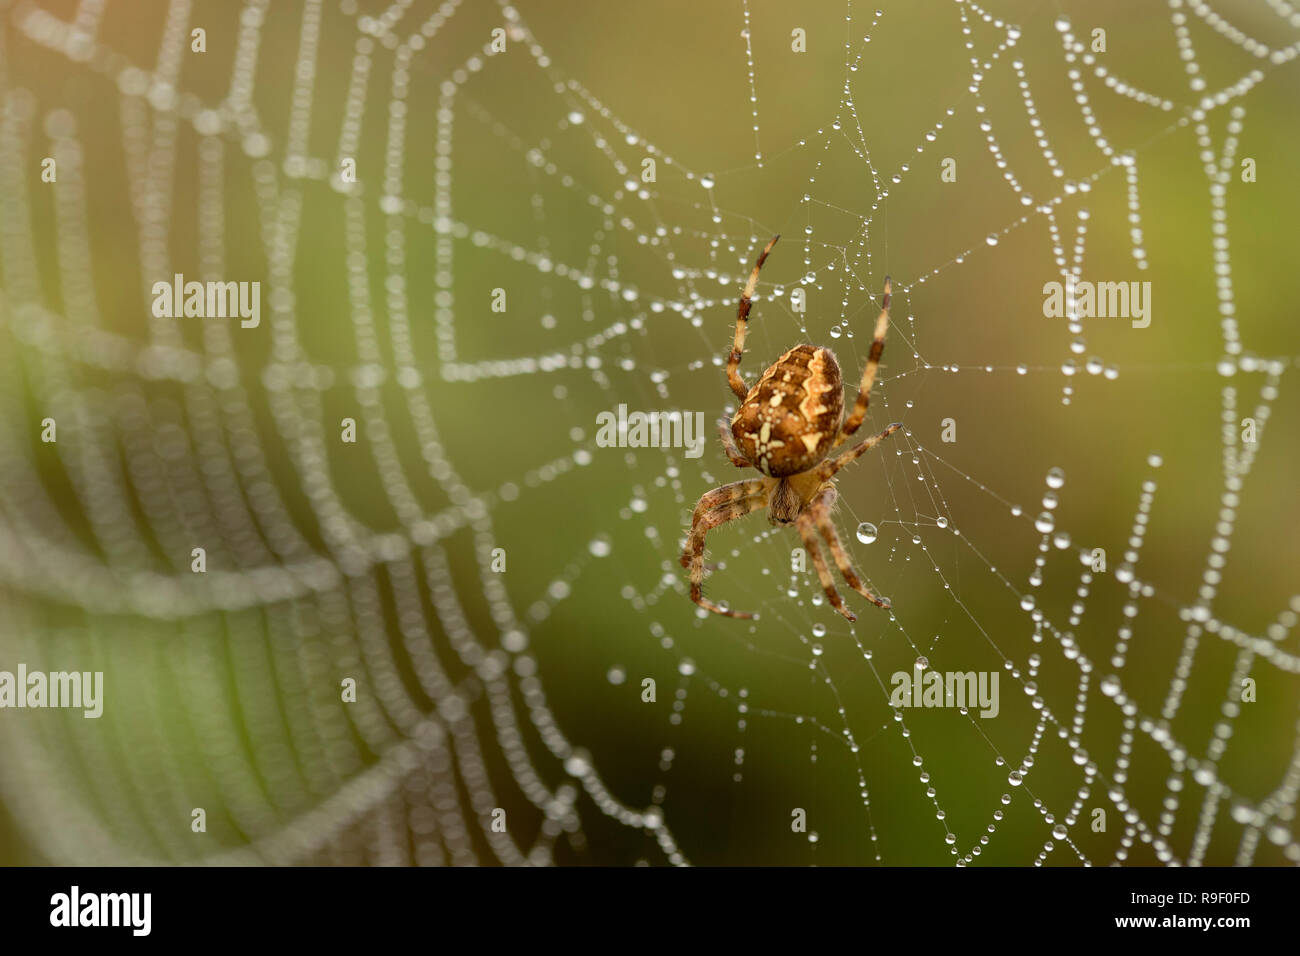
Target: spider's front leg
807 531
821 513
717 507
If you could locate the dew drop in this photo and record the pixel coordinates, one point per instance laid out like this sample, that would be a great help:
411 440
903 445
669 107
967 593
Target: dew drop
866 532
1055 477
576 118
991 239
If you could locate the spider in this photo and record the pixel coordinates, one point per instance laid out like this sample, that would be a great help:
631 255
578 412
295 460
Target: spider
785 426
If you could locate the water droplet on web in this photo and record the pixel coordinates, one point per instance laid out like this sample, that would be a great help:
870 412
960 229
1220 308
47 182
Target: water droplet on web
576 765
1045 522
576 118
599 547
819 630
1055 477
1059 831
706 182
817 650
941 521
991 239
1015 778
835 332
686 667
616 675
922 663
1155 461
866 532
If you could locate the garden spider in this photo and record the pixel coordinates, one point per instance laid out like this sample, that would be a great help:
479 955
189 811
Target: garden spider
784 427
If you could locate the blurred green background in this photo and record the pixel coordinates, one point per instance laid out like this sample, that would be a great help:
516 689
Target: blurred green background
520 690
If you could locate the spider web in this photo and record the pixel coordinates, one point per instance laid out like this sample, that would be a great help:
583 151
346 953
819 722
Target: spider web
480 691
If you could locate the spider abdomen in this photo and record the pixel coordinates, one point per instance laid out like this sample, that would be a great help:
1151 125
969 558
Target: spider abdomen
791 416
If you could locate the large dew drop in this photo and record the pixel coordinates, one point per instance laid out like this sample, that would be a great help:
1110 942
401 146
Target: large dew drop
866 532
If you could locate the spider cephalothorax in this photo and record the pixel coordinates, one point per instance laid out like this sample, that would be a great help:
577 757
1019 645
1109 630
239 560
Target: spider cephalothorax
785 426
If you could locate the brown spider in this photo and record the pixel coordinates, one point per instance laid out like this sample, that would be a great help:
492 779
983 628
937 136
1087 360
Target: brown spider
785 425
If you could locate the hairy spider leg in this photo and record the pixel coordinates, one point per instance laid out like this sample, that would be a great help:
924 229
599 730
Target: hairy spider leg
821 512
868 372
729 445
831 465
742 316
729 502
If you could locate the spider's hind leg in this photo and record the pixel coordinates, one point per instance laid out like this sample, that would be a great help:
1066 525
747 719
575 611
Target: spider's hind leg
742 316
729 445
868 371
